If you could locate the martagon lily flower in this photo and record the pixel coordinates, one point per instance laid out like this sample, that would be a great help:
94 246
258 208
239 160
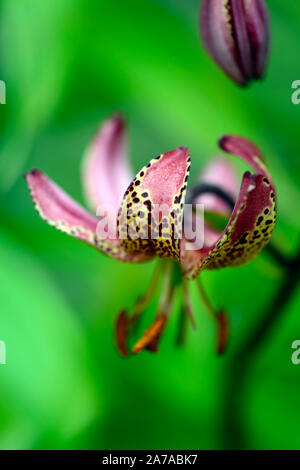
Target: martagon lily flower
251 214
236 33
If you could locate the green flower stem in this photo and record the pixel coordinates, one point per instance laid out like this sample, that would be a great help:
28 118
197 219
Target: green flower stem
244 358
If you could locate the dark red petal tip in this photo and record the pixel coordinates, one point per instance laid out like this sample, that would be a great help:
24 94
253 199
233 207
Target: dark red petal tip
119 119
34 172
222 142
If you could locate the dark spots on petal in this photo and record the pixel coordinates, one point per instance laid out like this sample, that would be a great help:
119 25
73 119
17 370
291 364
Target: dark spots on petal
145 194
136 200
266 211
259 220
243 238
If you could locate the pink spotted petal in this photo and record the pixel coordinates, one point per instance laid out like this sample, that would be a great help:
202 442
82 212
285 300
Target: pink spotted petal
150 218
246 150
106 172
250 225
58 209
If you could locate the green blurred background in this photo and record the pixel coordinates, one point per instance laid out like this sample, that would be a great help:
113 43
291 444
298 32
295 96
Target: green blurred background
68 64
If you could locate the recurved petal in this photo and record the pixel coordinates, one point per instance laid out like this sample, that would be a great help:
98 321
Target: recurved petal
216 25
251 223
150 218
59 210
250 226
248 230
105 171
246 150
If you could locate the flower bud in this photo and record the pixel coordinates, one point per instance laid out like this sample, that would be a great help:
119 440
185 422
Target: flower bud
236 33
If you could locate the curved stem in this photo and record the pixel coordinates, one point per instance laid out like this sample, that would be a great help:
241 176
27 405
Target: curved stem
274 252
244 358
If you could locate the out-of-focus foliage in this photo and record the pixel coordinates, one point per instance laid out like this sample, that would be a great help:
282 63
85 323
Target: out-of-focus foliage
68 65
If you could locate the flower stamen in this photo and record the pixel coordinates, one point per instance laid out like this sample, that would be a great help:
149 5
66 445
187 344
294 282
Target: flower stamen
125 323
152 335
145 300
122 332
188 304
221 318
